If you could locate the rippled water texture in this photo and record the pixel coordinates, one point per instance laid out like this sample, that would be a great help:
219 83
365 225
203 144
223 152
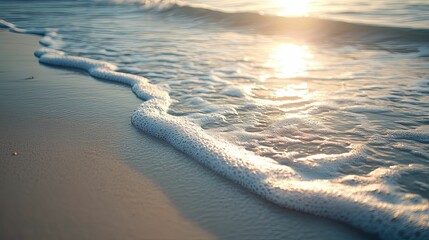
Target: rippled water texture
317 107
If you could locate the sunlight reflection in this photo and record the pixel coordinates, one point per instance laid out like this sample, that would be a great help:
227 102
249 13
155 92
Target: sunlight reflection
293 90
290 60
293 7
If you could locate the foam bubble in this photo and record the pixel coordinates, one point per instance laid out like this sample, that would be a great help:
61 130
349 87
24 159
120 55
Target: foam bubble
75 62
411 149
46 41
419 136
44 50
327 165
233 92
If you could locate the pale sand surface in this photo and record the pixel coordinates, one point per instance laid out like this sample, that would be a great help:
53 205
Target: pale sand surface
64 183
84 172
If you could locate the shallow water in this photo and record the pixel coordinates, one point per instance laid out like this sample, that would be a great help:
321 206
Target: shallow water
312 110
68 103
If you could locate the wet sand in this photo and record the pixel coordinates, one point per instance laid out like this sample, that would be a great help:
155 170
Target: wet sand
84 172
64 183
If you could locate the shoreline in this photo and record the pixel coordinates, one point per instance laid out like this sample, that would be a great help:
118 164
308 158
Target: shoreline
64 184
193 201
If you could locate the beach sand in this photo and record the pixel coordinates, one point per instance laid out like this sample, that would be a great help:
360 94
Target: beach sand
64 184
82 171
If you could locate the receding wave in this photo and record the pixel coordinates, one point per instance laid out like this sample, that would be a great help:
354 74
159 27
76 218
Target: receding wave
301 27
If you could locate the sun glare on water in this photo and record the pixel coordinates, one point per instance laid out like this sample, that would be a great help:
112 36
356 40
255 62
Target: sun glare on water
290 60
293 90
293 7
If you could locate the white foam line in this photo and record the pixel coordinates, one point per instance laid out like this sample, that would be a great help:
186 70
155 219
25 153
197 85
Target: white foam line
371 206
11 27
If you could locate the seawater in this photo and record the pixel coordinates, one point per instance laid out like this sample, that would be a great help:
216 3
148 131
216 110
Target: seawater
323 109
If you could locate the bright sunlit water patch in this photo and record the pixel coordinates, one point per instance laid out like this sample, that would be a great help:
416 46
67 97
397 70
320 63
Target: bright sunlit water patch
293 7
293 90
290 60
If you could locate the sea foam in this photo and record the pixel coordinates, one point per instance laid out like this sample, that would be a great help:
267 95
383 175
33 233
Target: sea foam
369 202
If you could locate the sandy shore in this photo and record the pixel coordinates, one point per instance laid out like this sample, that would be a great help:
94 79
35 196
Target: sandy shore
84 172
65 184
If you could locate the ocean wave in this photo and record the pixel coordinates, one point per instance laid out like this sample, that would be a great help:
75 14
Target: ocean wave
310 28
369 201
